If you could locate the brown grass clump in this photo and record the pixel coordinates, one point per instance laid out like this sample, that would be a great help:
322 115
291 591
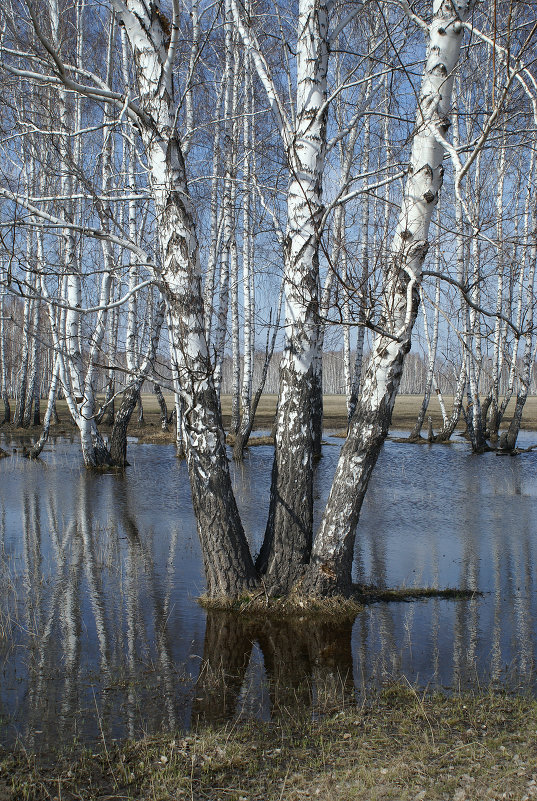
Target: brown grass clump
292 606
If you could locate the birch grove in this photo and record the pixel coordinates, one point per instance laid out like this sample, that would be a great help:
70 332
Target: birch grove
189 186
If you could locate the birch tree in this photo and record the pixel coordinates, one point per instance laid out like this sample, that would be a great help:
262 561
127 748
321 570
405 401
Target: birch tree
330 567
157 67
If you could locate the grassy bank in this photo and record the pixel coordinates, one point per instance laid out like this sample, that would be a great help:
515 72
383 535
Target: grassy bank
397 745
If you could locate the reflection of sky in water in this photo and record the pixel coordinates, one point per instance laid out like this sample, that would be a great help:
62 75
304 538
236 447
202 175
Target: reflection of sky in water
105 570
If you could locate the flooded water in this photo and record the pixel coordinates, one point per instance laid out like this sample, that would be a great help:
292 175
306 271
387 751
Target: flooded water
101 636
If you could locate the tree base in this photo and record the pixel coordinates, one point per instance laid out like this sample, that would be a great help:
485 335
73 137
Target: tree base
288 607
337 607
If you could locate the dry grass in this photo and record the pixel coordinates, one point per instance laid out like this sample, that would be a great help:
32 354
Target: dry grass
335 417
398 745
296 606
291 607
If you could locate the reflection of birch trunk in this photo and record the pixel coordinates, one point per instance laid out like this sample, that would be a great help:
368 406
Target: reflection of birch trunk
307 664
71 620
31 532
295 654
525 584
226 654
86 530
64 573
160 607
466 612
496 661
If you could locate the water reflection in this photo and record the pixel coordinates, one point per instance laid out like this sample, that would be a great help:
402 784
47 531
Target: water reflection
101 637
308 665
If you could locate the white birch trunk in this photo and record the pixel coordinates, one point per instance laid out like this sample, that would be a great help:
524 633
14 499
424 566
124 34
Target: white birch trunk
212 258
83 406
32 394
3 367
248 223
432 345
228 252
364 279
131 395
473 339
18 420
36 449
227 561
233 253
288 536
497 355
332 556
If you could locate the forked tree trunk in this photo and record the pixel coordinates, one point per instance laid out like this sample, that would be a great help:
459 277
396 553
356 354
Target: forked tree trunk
329 571
451 424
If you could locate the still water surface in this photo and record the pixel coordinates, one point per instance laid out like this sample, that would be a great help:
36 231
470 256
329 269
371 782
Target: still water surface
101 636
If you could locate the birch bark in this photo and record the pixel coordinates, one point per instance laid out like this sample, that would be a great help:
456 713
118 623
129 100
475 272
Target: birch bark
329 571
3 366
287 545
228 565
